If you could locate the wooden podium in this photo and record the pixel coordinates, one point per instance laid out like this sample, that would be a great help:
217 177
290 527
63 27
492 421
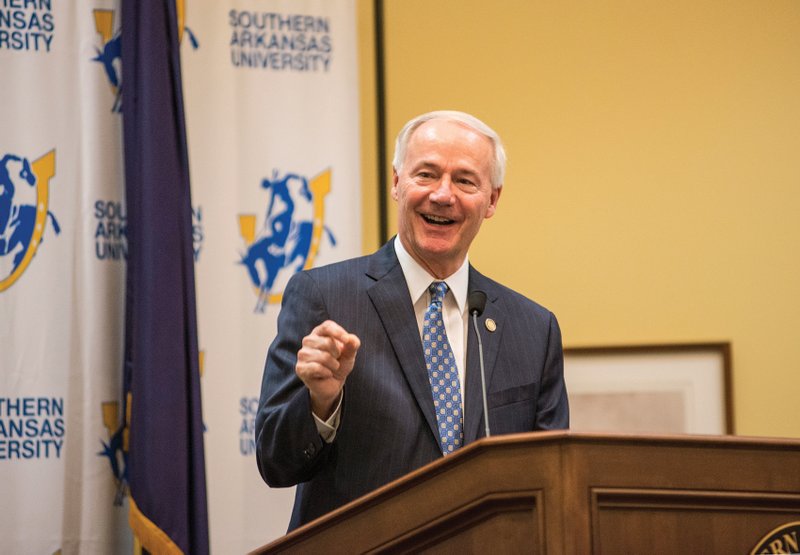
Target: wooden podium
563 492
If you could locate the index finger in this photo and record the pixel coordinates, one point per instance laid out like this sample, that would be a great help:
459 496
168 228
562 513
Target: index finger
331 329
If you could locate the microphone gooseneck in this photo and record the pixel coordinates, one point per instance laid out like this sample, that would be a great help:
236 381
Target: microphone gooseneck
476 302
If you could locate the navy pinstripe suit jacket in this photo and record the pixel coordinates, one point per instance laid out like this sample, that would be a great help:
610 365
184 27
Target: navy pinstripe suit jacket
388 425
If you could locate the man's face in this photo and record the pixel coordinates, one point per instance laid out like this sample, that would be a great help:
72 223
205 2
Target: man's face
444 192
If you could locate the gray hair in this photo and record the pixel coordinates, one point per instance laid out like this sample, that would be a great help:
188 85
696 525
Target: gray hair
499 162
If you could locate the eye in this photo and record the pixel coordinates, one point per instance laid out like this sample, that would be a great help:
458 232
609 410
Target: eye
466 182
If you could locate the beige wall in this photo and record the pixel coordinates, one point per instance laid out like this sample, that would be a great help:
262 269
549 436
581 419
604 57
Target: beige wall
653 188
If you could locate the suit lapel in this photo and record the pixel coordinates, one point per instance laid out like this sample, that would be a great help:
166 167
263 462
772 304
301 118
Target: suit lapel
389 295
473 425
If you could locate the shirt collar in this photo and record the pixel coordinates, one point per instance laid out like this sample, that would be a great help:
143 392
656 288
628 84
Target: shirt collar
418 279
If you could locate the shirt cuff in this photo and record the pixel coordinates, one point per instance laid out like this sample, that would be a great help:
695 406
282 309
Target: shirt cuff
327 429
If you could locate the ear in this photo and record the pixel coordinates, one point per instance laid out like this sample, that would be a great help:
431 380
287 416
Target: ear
493 200
395 179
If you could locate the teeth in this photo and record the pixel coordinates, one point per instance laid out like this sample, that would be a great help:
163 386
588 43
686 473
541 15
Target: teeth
438 219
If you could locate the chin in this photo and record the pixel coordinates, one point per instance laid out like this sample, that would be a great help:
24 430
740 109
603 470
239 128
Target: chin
438 249
436 241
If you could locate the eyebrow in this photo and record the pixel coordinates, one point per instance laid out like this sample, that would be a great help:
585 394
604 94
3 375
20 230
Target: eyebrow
429 164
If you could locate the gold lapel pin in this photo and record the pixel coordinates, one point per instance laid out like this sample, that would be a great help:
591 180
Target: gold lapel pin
491 325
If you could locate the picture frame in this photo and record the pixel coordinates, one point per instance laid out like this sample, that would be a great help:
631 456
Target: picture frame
651 389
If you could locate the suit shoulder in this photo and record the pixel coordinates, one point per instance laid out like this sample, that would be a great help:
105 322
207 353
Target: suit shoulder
335 273
354 270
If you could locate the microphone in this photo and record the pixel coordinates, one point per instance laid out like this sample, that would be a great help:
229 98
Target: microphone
476 302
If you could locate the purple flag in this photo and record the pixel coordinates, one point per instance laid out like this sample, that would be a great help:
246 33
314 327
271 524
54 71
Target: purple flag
166 464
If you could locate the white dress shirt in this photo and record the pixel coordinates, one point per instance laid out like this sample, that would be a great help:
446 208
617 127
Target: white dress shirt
454 314
454 311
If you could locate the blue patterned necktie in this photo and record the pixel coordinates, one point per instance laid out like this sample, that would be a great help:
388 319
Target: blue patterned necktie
442 373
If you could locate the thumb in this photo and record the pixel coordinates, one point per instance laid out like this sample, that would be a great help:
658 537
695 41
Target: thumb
350 347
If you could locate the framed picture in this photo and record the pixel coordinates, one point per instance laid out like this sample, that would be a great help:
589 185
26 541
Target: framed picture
681 388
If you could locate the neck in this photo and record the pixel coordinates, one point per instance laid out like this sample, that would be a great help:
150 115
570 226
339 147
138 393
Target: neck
440 269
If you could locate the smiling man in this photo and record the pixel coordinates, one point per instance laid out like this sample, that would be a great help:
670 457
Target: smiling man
444 189
374 371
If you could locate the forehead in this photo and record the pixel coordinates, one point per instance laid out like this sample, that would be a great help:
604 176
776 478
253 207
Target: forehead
451 141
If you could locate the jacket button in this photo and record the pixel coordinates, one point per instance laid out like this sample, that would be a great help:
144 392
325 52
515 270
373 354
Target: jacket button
310 450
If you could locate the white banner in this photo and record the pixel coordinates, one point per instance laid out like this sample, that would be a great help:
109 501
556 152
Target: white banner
62 248
272 113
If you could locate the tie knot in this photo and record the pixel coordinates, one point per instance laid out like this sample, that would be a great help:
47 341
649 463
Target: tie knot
438 290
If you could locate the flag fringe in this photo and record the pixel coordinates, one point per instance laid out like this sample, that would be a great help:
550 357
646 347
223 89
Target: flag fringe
151 537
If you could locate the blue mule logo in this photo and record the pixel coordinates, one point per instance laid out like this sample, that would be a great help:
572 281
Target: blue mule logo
116 450
110 54
290 236
24 197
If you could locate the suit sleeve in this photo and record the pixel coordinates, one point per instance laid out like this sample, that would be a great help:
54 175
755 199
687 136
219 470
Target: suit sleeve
552 410
289 449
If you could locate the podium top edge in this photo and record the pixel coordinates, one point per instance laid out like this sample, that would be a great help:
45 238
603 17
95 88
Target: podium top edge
637 438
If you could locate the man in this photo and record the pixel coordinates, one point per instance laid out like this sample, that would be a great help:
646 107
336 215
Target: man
362 384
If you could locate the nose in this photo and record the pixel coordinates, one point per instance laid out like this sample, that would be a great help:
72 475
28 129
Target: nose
442 193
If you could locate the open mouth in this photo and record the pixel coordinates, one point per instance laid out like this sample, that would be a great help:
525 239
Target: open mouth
437 220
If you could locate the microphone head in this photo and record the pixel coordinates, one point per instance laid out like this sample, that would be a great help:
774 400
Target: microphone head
476 302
